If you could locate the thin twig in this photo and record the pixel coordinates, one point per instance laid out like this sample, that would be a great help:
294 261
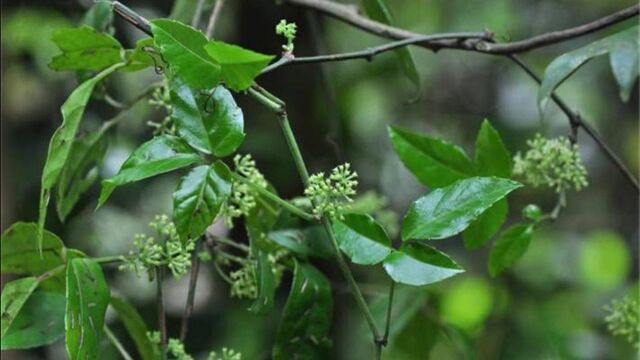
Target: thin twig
370 53
193 281
385 337
576 122
162 320
229 242
197 14
347 14
213 19
117 344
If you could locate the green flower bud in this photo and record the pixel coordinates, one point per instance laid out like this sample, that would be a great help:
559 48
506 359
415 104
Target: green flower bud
532 212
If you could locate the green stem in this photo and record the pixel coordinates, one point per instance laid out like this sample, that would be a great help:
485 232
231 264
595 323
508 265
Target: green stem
231 243
162 319
304 175
108 259
237 259
271 196
385 337
116 343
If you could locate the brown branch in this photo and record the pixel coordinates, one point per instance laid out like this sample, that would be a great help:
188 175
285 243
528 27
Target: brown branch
215 13
347 14
370 53
193 281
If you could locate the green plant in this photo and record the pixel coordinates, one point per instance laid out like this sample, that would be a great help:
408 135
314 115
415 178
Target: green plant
467 197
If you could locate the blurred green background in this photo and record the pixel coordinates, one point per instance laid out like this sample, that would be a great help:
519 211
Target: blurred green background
549 306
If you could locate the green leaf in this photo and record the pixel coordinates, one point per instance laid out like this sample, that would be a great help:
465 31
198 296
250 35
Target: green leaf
419 264
199 197
183 48
447 211
41 322
239 66
379 10
434 162
310 242
62 139
492 159
14 295
486 225
80 171
87 299
20 253
219 130
85 48
624 59
99 16
306 318
416 339
492 156
623 44
362 238
136 327
258 222
509 247
157 156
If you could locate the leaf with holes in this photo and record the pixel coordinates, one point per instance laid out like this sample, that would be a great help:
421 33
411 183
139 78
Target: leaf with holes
239 66
306 318
85 48
14 295
213 125
87 299
447 211
62 139
40 323
509 247
157 156
183 48
419 264
362 238
623 47
199 197
434 162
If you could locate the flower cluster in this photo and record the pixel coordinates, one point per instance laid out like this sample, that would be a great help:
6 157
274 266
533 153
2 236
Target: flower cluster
149 254
329 194
243 199
243 281
623 318
288 30
555 163
176 349
161 100
227 354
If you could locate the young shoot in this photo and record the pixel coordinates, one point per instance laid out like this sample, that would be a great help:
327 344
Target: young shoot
288 31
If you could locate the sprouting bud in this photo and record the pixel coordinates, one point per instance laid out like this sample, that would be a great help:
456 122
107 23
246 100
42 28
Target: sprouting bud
330 193
555 163
532 212
288 30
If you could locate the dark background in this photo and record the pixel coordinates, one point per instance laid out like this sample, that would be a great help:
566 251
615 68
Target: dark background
548 306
